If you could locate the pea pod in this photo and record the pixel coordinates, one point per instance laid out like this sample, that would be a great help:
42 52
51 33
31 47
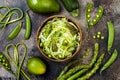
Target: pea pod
4 62
110 61
72 6
15 32
111 35
28 27
98 16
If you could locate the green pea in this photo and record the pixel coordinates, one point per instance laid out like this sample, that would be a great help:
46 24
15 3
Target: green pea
94 37
99 33
98 36
3 60
102 37
1 56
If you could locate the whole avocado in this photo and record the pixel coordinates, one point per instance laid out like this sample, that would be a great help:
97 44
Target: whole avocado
44 6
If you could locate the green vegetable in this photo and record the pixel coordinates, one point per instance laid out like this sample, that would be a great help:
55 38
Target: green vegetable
111 35
15 60
98 16
44 6
6 18
59 38
67 67
95 68
36 66
72 71
79 73
110 61
4 62
15 32
72 6
78 70
28 27
96 50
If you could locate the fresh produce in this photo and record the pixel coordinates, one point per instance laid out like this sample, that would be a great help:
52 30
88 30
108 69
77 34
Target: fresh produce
98 36
59 38
79 69
72 71
98 16
44 6
15 32
67 67
4 62
86 54
28 26
15 59
5 19
71 6
111 35
36 66
110 61
93 71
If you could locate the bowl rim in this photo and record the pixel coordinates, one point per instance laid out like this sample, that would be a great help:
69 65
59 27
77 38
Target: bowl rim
39 29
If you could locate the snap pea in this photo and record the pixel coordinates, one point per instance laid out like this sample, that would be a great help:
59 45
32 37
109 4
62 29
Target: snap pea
4 62
110 61
93 71
111 35
98 16
28 26
15 32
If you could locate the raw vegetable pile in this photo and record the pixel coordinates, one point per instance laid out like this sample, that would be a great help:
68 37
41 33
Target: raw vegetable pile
59 38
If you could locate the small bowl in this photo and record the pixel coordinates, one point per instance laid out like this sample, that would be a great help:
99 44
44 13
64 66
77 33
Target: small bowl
38 41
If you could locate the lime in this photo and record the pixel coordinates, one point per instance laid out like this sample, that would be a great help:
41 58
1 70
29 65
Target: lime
36 66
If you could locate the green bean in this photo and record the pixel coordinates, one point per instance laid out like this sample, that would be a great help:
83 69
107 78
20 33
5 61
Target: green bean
110 61
95 68
111 35
16 63
14 20
28 27
15 32
97 17
4 62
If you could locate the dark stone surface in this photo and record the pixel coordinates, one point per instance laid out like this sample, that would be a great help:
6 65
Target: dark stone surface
111 13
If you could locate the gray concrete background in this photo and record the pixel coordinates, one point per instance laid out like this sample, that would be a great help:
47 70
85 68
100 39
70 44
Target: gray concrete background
111 13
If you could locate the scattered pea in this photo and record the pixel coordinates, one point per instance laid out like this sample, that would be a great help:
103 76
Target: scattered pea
102 37
94 37
98 32
98 36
